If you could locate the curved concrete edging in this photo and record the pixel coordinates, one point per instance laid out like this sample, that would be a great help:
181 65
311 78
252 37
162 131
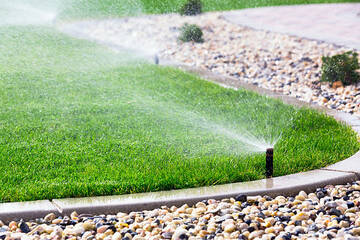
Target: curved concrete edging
339 173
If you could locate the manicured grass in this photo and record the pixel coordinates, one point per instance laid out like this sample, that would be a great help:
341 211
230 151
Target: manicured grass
105 8
79 9
79 120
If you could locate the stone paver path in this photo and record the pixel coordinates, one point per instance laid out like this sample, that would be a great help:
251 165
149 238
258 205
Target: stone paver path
333 23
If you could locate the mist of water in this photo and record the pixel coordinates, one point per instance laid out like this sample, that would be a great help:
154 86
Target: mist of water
26 13
250 142
238 133
19 12
229 137
123 41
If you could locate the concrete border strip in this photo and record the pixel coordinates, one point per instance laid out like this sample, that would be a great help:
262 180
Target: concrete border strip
286 185
26 210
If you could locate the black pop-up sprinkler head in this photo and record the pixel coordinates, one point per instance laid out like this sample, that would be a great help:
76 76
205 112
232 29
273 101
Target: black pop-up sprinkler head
269 162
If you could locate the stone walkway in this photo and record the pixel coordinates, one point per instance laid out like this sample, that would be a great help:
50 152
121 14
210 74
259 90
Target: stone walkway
333 23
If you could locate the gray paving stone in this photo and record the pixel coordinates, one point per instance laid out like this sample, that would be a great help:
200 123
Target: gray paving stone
333 23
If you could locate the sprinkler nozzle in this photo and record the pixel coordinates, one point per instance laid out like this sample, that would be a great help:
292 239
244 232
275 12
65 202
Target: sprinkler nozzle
156 59
269 162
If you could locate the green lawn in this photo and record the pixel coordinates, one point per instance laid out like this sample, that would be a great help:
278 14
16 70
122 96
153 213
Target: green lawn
78 9
79 120
105 8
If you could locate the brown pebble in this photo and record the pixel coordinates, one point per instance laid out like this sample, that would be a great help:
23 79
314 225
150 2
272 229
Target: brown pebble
337 84
49 217
102 229
56 221
13 225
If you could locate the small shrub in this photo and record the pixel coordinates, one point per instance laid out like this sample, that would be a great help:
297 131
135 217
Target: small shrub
191 32
341 67
191 8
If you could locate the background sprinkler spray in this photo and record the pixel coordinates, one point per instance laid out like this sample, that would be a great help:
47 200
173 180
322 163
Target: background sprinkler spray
269 162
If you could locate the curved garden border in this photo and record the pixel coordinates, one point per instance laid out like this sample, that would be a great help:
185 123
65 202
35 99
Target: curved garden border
342 172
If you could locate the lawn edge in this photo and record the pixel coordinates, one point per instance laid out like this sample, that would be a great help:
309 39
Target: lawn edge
341 172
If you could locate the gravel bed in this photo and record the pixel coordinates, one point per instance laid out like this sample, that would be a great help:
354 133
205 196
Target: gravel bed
282 63
330 212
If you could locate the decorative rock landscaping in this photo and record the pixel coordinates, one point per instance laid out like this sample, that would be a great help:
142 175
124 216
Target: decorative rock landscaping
330 212
286 64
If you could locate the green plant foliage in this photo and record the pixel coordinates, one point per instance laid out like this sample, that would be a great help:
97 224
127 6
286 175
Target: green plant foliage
191 32
341 67
191 8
